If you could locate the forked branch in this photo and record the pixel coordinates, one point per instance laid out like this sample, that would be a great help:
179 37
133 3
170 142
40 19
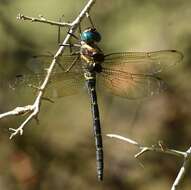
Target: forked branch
34 109
160 147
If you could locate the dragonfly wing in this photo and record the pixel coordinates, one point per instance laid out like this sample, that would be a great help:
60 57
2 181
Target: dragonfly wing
39 63
129 85
60 84
65 84
143 62
132 74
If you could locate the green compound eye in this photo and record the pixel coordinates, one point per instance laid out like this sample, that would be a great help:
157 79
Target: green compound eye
90 36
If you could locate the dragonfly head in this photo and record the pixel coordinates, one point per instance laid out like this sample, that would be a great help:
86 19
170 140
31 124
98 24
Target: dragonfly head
90 35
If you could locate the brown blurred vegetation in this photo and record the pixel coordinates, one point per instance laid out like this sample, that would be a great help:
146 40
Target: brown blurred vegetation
59 152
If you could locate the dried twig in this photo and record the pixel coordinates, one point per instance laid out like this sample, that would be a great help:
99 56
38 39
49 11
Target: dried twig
35 108
41 19
162 149
183 169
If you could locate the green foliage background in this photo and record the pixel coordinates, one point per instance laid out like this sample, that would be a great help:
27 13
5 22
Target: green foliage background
59 153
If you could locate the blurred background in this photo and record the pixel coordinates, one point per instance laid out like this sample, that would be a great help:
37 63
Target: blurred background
59 153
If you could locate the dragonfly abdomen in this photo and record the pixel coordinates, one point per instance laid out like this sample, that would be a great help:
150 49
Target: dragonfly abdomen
91 85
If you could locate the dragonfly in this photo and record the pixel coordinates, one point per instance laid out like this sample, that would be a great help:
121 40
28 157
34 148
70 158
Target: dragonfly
131 75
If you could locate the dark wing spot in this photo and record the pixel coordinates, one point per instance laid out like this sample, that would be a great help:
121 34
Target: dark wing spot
19 76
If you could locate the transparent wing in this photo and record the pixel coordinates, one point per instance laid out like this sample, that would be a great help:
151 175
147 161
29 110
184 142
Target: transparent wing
132 74
143 62
129 85
39 63
65 84
60 85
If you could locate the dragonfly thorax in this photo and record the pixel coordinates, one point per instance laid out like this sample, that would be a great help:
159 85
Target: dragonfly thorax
92 52
92 57
98 57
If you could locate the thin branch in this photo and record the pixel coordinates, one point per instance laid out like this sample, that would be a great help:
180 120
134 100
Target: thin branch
41 19
162 149
35 108
183 169
159 148
17 111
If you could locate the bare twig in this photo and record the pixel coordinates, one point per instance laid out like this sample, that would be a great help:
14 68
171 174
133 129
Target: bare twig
183 169
17 111
143 149
35 108
162 149
41 19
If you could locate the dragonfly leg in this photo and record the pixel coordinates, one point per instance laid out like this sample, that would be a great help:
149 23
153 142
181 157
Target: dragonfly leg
73 35
75 53
58 39
71 66
72 45
80 29
47 99
90 20
73 63
59 29
71 51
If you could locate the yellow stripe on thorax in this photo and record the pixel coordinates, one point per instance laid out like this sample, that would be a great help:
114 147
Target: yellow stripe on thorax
85 59
89 48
